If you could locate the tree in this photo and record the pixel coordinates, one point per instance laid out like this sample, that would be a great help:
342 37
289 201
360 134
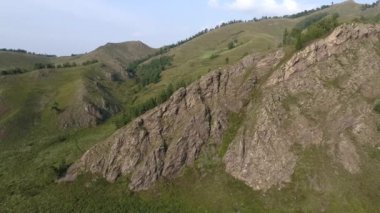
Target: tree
231 45
50 66
39 66
299 44
285 36
227 60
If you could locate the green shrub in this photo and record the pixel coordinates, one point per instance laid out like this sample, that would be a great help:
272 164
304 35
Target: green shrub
227 60
55 107
68 65
234 121
13 71
89 62
231 45
61 168
50 66
213 56
39 66
376 108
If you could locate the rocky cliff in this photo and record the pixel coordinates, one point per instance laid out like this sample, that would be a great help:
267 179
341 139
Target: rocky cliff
322 96
166 139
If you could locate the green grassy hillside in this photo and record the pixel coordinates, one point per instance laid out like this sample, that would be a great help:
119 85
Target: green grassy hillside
9 60
209 51
27 99
115 55
35 148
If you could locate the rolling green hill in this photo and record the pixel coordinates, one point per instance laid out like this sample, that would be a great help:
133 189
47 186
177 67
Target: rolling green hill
49 117
208 52
49 99
9 60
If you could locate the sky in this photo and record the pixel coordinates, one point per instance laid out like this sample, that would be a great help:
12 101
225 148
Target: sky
63 27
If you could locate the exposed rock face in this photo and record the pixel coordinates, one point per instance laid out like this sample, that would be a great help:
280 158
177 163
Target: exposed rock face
321 96
84 112
166 139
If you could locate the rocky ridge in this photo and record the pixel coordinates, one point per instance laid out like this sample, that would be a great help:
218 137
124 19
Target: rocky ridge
321 96
166 139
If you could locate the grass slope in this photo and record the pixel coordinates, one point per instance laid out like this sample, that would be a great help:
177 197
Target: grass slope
9 60
33 148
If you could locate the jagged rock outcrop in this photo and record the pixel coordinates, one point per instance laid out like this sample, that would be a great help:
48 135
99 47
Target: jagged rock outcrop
166 139
322 96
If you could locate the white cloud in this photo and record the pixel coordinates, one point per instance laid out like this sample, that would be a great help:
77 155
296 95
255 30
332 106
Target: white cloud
242 5
213 3
261 7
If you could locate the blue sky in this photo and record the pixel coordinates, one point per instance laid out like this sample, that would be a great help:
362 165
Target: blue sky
63 27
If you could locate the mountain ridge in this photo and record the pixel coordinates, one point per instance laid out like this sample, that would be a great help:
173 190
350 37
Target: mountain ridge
247 120
121 159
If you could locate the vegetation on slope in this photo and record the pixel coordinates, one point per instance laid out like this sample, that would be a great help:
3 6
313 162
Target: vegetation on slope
13 71
234 121
26 52
377 106
150 72
309 30
35 151
11 60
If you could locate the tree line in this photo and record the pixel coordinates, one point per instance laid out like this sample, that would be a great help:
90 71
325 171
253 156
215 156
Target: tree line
13 71
307 12
38 66
26 52
316 28
150 72
367 6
